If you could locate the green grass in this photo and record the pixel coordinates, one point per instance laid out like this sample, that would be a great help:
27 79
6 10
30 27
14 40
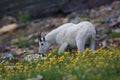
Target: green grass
102 64
101 21
24 16
114 35
22 43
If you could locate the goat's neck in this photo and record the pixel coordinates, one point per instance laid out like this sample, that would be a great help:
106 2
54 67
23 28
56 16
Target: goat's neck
50 37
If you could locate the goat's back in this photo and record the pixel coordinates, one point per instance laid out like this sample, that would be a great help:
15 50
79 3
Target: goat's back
69 33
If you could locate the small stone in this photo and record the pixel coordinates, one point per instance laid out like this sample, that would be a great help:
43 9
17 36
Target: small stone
40 77
104 43
25 51
109 8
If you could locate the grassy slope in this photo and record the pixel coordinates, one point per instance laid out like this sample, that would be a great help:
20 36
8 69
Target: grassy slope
102 64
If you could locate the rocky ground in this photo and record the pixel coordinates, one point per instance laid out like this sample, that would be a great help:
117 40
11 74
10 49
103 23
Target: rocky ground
18 37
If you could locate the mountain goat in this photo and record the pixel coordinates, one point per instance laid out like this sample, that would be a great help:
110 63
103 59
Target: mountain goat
69 34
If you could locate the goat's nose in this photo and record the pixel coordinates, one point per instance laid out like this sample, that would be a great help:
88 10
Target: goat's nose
42 55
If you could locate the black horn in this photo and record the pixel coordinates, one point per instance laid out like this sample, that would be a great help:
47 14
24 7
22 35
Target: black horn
39 36
44 38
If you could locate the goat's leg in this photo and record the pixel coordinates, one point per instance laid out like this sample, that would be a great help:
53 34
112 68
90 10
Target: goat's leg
92 44
80 44
63 47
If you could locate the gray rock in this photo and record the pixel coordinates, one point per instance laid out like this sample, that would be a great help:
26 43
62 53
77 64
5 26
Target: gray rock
40 8
114 25
118 20
4 47
74 18
117 30
7 56
94 13
107 19
6 20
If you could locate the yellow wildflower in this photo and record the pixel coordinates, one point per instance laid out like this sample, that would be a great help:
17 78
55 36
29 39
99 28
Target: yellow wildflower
61 59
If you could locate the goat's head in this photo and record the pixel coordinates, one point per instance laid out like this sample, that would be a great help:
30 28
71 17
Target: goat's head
43 44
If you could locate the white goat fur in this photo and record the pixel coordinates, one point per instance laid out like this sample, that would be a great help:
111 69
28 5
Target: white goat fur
72 35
